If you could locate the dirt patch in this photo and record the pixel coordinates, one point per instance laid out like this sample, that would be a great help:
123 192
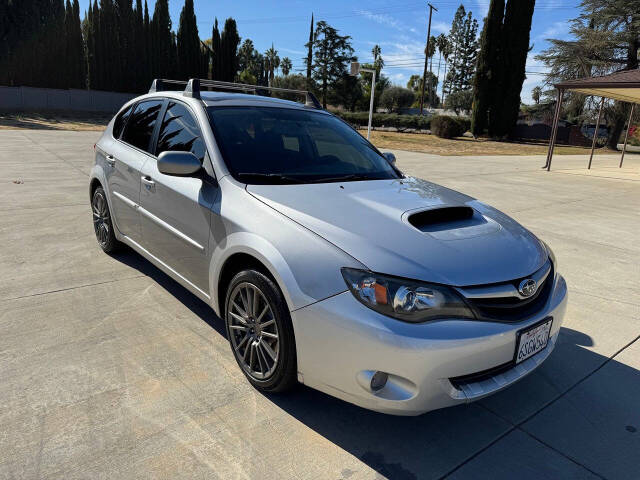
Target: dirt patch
469 146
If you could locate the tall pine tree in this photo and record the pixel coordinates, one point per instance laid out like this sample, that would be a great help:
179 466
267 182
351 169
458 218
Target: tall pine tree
229 42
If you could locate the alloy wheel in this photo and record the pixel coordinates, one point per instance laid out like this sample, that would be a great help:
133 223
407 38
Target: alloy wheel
253 330
101 220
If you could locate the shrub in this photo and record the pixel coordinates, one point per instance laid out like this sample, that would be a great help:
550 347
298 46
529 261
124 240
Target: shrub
445 126
401 122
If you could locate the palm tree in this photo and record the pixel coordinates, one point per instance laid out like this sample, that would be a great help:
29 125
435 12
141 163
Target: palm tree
273 61
286 66
444 47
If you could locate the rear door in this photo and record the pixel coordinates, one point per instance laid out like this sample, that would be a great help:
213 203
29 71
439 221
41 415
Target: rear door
175 211
127 154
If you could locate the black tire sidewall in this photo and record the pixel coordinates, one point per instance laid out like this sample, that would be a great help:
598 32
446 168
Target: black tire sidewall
285 375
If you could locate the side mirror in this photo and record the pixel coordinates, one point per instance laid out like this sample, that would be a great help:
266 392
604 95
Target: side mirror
178 163
391 158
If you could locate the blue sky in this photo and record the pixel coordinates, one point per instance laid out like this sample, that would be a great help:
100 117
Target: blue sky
398 26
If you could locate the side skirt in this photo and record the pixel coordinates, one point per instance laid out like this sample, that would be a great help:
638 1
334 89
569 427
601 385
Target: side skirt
166 269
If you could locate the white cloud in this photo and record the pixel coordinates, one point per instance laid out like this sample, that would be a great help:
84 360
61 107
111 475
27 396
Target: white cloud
440 27
388 20
289 50
554 30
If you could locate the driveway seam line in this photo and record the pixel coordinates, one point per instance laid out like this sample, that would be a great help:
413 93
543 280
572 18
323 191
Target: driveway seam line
71 288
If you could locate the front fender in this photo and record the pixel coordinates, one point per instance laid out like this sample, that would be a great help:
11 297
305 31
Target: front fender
259 248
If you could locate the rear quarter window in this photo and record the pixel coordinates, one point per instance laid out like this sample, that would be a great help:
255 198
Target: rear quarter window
121 121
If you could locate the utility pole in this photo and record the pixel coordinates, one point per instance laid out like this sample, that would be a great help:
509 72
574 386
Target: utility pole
426 59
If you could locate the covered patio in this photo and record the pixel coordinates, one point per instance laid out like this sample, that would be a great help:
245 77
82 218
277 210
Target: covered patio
623 86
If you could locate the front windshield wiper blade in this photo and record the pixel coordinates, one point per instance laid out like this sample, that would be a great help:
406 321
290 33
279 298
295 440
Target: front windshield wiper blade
345 178
274 176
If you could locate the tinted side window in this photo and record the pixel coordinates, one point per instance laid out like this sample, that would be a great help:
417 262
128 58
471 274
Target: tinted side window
180 132
121 121
139 129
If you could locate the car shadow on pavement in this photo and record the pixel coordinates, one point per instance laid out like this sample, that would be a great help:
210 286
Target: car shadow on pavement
577 412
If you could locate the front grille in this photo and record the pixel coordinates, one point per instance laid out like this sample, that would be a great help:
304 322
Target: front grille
513 309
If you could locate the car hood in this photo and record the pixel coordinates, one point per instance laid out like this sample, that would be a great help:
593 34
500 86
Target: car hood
371 221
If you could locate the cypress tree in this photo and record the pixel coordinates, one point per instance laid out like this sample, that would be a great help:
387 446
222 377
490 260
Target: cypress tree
216 61
488 71
140 48
162 41
188 43
516 30
229 42
309 59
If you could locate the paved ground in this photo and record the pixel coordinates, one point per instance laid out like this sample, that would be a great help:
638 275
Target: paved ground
108 369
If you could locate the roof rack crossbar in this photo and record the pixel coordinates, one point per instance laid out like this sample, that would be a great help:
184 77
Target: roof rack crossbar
193 86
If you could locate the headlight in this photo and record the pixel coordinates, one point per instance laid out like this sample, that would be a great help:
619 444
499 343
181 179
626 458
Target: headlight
407 300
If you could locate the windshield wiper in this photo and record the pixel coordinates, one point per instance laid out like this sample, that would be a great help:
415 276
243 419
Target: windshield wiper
273 176
345 178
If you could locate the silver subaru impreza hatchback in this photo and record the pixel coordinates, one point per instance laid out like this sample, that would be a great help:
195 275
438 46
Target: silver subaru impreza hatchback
328 266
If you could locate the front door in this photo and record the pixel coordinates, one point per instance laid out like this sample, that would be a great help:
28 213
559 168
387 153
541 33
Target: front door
125 157
175 211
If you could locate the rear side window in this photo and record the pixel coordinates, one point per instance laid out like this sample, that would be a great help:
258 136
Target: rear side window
139 129
180 132
121 121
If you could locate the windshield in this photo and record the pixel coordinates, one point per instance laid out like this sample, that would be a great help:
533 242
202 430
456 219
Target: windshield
266 145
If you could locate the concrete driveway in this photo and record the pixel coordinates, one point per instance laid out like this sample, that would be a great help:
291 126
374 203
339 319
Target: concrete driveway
109 369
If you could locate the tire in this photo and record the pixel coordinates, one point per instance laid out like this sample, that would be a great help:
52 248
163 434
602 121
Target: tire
102 224
261 334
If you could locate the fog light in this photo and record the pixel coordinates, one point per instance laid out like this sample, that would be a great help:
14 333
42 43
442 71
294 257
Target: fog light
378 381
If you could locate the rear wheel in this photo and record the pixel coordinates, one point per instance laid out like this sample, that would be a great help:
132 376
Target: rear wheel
102 224
260 331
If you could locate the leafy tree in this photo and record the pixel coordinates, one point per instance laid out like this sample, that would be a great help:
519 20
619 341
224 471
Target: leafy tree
286 66
189 54
459 101
382 83
462 37
394 98
247 77
331 54
605 38
415 85
536 94
346 91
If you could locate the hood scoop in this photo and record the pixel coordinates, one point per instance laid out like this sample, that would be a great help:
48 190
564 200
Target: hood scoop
443 218
452 223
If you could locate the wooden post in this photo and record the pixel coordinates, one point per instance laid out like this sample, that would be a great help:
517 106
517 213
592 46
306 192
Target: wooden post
595 134
554 129
626 135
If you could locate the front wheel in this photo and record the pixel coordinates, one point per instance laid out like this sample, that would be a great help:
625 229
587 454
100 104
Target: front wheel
102 223
260 332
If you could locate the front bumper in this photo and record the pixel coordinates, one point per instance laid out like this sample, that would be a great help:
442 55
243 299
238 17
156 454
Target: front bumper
341 343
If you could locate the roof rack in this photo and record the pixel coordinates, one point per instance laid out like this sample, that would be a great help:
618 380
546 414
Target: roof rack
192 88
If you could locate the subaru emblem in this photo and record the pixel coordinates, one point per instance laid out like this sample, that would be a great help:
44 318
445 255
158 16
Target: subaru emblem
527 287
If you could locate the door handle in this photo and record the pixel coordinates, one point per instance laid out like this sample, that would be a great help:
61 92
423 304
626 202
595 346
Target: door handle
147 180
110 160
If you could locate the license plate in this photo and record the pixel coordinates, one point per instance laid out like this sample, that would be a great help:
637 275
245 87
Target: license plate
532 340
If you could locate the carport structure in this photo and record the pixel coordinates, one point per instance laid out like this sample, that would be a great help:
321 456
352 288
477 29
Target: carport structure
623 86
